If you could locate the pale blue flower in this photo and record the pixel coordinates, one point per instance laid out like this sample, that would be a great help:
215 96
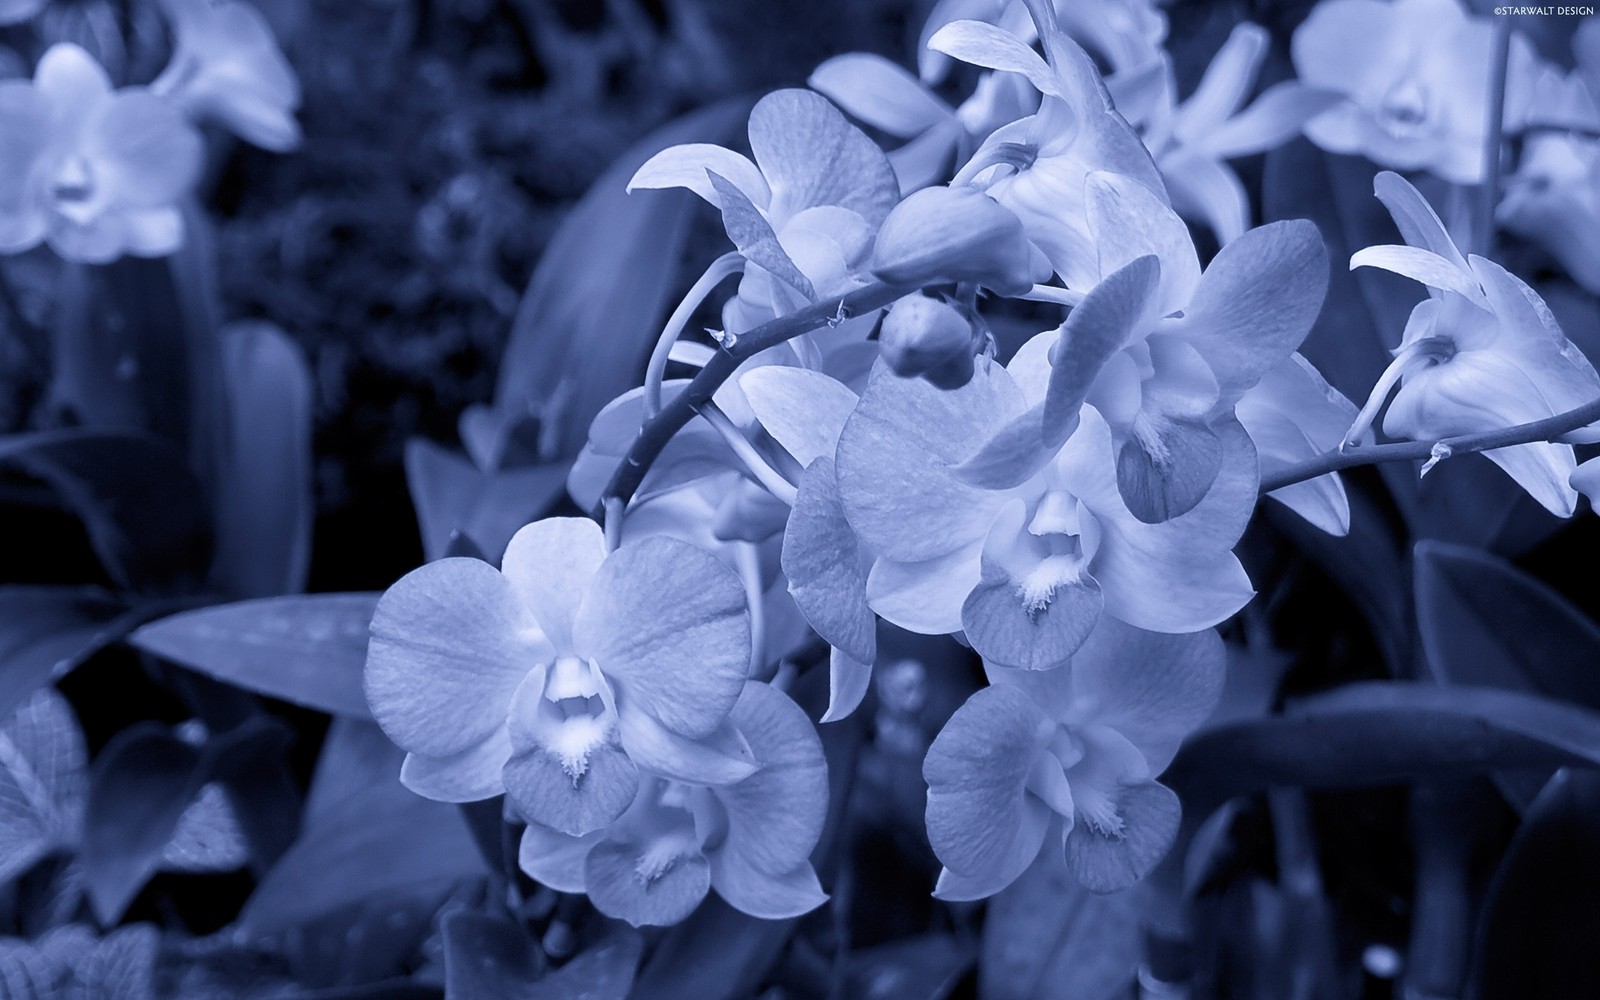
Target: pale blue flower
1294 415
749 840
1066 761
558 678
227 68
1482 352
17 11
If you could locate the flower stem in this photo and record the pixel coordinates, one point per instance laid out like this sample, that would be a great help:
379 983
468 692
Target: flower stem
658 430
1420 451
1489 193
723 267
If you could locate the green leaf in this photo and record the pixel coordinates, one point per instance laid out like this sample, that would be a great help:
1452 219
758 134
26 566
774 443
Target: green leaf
47 631
603 972
1381 733
718 953
926 967
364 833
488 958
137 499
42 781
597 300
1540 922
307 650
264 502
208 837
455 498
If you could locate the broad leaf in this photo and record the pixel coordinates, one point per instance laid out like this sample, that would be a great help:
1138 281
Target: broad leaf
47 631
454 498
307 650
1047 936
43 766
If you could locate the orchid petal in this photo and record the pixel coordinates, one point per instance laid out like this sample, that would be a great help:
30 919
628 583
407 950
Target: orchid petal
655 605
811 155
1152 688
980 44
1422 266
1110 863
880 93
896 456
1225 84
1418 223
550 564
775 816
1208 191
690 165
753 235
804 410
545 788
763 895
450 644
471 775
1129 221
555 859
719 757
925 597
1007 631
848 681
821 559
628 881
980 816
1270 121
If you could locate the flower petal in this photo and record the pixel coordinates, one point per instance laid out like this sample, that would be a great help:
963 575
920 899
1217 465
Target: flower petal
1153 688
880 93
812 155
623 883
981 44
980 815
689 165
848 681
546 790
753 235
469 776
550 564
1006 631
1422 266
1130 221
669 623
722 756
450 644
804 410
896 456
775 816
764 895
1225 84
145 148
1270 121
1417 221
821 559
925 597
71 81
1257 301
555 859
1206 190
1111 862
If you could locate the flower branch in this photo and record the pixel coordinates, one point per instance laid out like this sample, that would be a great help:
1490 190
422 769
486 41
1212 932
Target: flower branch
1546 429
659 429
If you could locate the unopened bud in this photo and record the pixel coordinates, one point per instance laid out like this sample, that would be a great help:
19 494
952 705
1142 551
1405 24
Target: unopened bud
931 338
954 234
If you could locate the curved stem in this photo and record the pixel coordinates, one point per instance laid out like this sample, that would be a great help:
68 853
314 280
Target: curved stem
1432 451
1489 196
658 430
723 267
771 479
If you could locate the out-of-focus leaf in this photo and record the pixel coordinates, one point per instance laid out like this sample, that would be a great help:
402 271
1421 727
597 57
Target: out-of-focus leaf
250 763
121 966
377 837
137 499
27 973
42 781
716 954
1047 936
308 650
390 926
488 958
1379 733
47 631
927 967
264 502
604 972
1540 924
140 786
1485 622
208 838
599 295
1366 564
454 498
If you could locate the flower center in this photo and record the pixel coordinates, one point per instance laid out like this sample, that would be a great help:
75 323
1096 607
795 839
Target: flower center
1403 112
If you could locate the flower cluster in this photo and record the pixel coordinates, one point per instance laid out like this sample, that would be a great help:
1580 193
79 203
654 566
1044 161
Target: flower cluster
1068 508
98 171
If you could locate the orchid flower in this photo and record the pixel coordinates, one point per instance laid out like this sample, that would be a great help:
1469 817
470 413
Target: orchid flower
227 68
562 677
1195 342
1553 200
1036 166
94 172
749 840
1414 75
994 508
1193 140
17 11
1481 352
1065 761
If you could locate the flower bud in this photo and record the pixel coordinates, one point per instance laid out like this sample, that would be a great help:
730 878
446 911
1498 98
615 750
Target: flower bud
948 234
928 337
